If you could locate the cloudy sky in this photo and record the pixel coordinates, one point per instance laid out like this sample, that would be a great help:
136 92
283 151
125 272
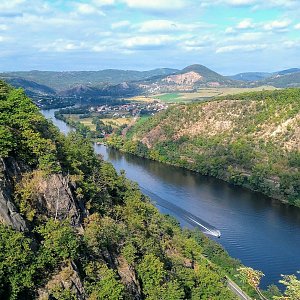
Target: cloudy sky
228 36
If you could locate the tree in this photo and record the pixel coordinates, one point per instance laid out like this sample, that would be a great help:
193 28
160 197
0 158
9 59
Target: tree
102 283
16 263
252 277
292 291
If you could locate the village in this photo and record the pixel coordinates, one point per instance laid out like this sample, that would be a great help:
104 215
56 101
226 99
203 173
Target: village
129 109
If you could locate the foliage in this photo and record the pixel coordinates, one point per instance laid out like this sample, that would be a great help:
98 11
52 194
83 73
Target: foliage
102 283
292 291
248 139
121 240
16 268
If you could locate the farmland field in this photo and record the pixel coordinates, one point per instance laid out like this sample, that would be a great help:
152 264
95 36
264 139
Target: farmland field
206 93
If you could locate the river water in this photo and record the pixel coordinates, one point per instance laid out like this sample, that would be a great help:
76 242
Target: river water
262 233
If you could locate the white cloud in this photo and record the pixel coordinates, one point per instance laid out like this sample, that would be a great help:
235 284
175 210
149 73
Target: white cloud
168 26
241 2
3 27
88 9
147 42
255 4
277 25
245 24
241 48
196 44
156 5
291 44
39 21
230 30
61 45
120 24
246 37
297 26
104 2
158 26
10 4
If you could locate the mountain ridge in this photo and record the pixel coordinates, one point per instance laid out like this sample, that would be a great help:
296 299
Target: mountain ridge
59 89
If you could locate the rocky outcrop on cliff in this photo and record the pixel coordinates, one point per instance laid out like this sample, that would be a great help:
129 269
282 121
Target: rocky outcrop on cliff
66 279
55 198
9 214
50 196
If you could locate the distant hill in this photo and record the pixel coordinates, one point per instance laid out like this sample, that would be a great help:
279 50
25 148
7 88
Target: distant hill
206 73
288 71
31 88
66 80
117 90
114 83
188 79
250 76
269 77
61 89
284 80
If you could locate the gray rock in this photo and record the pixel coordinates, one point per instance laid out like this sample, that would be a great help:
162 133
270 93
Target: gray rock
8 212
56 200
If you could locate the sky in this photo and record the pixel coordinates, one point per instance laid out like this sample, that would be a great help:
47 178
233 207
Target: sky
228 36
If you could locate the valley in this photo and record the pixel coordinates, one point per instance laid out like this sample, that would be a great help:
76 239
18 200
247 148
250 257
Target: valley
195 82
149 150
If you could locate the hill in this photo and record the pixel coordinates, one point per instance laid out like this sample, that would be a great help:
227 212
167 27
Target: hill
288 71
251 139
250 76
284 80
188 79
207 74
72 228
270 78
60 81
31 88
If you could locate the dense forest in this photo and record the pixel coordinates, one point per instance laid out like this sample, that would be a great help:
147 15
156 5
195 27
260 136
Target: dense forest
72 228
250 139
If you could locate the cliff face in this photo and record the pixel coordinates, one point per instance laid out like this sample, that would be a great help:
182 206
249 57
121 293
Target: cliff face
53 195
55 199
9 169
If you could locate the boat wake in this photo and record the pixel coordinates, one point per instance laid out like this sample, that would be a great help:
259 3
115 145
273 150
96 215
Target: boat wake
187 216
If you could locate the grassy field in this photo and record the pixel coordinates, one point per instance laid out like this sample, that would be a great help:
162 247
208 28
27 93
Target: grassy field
172 97
117 122
206 93
86 121
140 98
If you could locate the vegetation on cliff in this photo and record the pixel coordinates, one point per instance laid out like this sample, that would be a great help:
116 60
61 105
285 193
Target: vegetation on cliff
250 139
89 233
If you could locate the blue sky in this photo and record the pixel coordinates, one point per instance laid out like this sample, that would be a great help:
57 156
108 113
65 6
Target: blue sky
229 36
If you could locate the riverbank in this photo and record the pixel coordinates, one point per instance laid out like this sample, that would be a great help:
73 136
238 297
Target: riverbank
249 140
260 232
236 178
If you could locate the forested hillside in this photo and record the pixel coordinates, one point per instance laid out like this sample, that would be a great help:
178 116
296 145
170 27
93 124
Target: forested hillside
251 139
72 228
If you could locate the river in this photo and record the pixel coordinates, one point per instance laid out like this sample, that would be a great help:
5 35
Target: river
263 233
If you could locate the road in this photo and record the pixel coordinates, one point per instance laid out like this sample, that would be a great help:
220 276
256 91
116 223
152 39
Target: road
236 289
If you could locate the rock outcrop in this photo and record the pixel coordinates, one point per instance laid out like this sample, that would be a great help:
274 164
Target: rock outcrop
51 195
56 199
9 215
67 279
